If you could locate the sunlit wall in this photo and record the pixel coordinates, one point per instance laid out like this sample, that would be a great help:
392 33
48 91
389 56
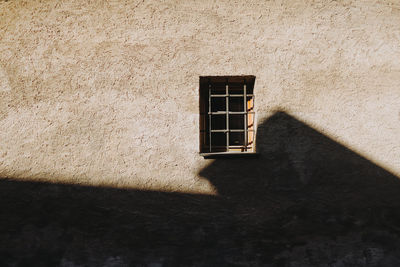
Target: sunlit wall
107 92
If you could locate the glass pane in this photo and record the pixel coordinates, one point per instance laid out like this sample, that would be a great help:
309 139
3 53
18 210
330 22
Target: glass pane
207 123
250 121
236 104
218 89
218 104
218 142
236 139
250 103
236 122
218 122
250 138
235 88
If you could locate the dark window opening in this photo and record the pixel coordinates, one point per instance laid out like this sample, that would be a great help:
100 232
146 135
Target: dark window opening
227 114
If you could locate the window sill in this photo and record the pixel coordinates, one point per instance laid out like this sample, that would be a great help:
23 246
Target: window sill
218 155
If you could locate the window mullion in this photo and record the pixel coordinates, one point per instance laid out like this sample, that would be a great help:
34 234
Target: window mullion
209 114
227 115
245 114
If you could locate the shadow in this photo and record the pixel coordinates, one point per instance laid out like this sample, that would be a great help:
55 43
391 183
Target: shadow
300 166
305 201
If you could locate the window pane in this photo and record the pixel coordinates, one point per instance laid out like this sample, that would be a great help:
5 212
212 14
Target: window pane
218 142
236 139
218 122
235 88
218 104
250 121
236 104
218 89
250 103
250 138
236 122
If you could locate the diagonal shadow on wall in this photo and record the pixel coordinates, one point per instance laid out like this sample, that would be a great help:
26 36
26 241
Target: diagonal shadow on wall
304 184
305 200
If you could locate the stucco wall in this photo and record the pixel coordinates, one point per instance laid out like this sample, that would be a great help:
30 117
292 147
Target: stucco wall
106 92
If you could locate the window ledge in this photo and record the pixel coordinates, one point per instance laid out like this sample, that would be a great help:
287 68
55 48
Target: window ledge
217 155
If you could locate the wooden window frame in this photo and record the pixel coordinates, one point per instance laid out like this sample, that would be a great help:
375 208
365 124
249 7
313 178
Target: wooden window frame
229 91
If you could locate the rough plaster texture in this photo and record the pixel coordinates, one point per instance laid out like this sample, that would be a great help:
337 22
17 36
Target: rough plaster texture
106 92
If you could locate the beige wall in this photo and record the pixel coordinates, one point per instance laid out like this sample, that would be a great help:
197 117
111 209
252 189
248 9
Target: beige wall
106 92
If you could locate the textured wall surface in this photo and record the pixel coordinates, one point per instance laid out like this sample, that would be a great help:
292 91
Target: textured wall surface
106 92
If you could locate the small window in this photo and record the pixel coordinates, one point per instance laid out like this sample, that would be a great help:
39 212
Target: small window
227 114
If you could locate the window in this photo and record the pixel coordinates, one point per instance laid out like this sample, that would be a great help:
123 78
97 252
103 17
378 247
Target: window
227 114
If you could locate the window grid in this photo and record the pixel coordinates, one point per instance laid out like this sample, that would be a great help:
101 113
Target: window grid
227 112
